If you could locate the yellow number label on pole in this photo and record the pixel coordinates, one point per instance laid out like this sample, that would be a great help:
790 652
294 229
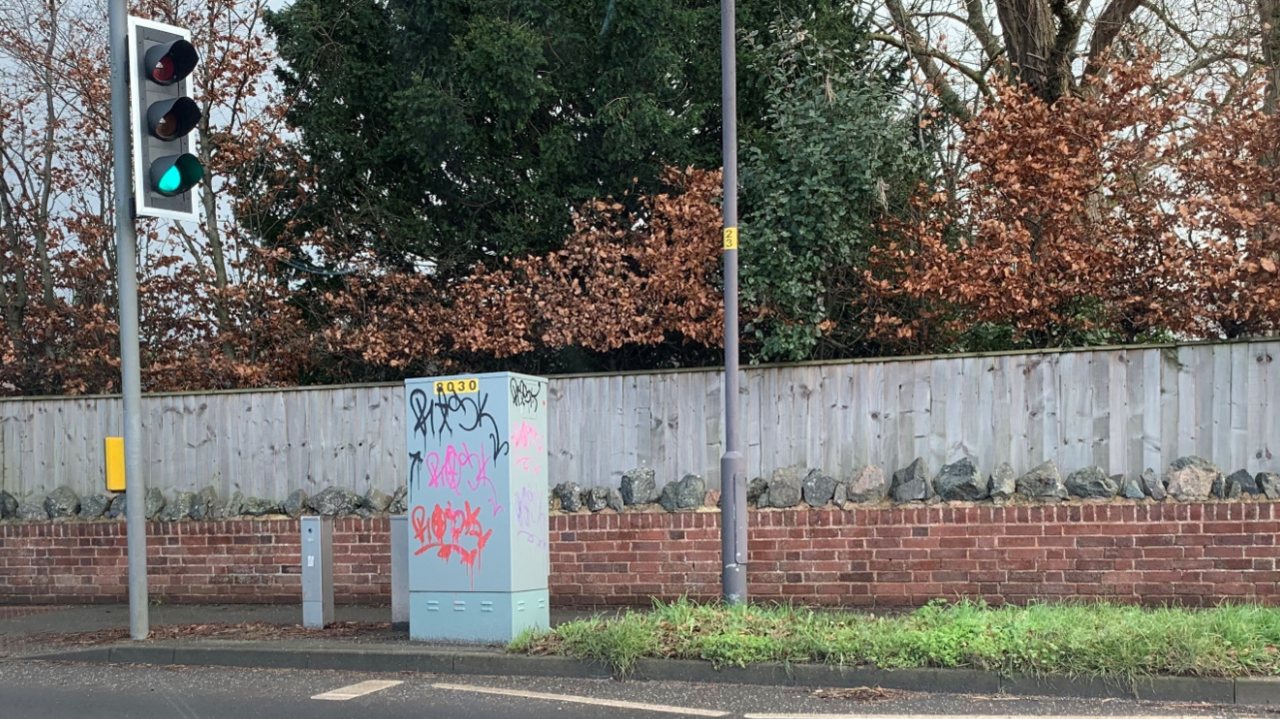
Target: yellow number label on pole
731 238
469 385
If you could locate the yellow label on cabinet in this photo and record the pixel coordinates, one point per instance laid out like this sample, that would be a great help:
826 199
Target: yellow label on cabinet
731 238
468 385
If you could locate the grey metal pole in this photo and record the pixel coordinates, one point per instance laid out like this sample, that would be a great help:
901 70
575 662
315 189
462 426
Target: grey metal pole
127 281
733 470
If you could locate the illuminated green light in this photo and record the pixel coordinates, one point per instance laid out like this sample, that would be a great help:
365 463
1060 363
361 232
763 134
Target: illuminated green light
173 175
172 180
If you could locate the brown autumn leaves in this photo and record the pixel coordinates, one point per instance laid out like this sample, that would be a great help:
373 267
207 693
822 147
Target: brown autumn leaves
1138 209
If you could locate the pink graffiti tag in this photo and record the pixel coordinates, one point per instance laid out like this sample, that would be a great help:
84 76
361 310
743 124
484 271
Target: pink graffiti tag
446 532
449 472
527 442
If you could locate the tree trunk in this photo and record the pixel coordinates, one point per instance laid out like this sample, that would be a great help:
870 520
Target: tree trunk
1029 31
213 234
41 232
1269 14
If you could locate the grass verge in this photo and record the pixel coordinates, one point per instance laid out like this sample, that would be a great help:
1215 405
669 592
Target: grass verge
1106 640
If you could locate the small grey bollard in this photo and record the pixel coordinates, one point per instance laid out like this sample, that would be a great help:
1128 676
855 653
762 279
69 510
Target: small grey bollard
399 572
317 572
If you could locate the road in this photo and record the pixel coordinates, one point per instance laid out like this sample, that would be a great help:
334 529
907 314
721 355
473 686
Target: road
55 690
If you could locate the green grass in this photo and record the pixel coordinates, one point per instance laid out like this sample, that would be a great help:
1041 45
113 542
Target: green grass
1121 642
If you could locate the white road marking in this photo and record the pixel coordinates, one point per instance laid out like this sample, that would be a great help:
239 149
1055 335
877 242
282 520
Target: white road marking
664 708
947 716
357 690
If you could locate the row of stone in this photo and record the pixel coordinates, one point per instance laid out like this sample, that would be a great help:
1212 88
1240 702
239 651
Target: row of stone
63 502
1187 479
639 487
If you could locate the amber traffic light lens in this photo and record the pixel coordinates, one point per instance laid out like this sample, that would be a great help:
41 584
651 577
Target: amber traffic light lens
166 127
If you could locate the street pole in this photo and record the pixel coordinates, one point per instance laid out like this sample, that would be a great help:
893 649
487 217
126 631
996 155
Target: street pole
733 470
127 281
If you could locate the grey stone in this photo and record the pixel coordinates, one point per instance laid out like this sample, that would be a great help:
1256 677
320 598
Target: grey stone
1091 482
94 506
33 510
1244 483
639 486
366 512
335 502
756 489
179 508
296 503
206 506
818 488
8 505
257 507
235 505
614 500
1042 482
840 495
1191 478
960 481
1152 485
1191 461
1003 482
785 487
117 508
1269 483
399 500
596 498
377 500
153 502
911 483
868 485
62 502
570 496
1130 487
688 493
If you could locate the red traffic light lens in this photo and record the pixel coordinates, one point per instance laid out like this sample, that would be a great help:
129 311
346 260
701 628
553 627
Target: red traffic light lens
163 71
171 62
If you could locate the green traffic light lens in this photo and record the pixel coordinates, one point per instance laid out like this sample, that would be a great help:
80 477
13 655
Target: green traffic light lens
171 180
175 174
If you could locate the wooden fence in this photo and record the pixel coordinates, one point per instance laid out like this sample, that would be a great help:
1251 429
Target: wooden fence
1123 409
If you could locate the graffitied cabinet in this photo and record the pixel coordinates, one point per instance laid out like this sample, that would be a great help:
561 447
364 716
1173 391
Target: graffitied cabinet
477 458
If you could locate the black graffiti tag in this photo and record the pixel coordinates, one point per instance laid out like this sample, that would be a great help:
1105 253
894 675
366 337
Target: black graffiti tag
436 415
525 394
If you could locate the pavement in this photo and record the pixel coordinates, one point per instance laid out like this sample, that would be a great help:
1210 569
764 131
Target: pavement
77 661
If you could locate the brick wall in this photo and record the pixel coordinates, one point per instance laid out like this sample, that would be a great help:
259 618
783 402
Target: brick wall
238 561
1153 553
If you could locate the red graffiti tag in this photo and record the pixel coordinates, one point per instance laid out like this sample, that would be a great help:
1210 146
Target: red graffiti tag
446 531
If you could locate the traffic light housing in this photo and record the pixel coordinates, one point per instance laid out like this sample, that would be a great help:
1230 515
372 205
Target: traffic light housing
166 169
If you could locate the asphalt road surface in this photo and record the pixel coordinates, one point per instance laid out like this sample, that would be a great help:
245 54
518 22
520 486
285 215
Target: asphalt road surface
56 690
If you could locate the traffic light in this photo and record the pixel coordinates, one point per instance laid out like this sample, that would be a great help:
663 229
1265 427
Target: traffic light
166 170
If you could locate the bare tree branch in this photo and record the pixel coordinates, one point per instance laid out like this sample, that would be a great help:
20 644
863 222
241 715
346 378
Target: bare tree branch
914 44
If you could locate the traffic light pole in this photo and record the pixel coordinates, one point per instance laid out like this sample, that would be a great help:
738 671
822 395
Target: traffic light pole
127 281
733 470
